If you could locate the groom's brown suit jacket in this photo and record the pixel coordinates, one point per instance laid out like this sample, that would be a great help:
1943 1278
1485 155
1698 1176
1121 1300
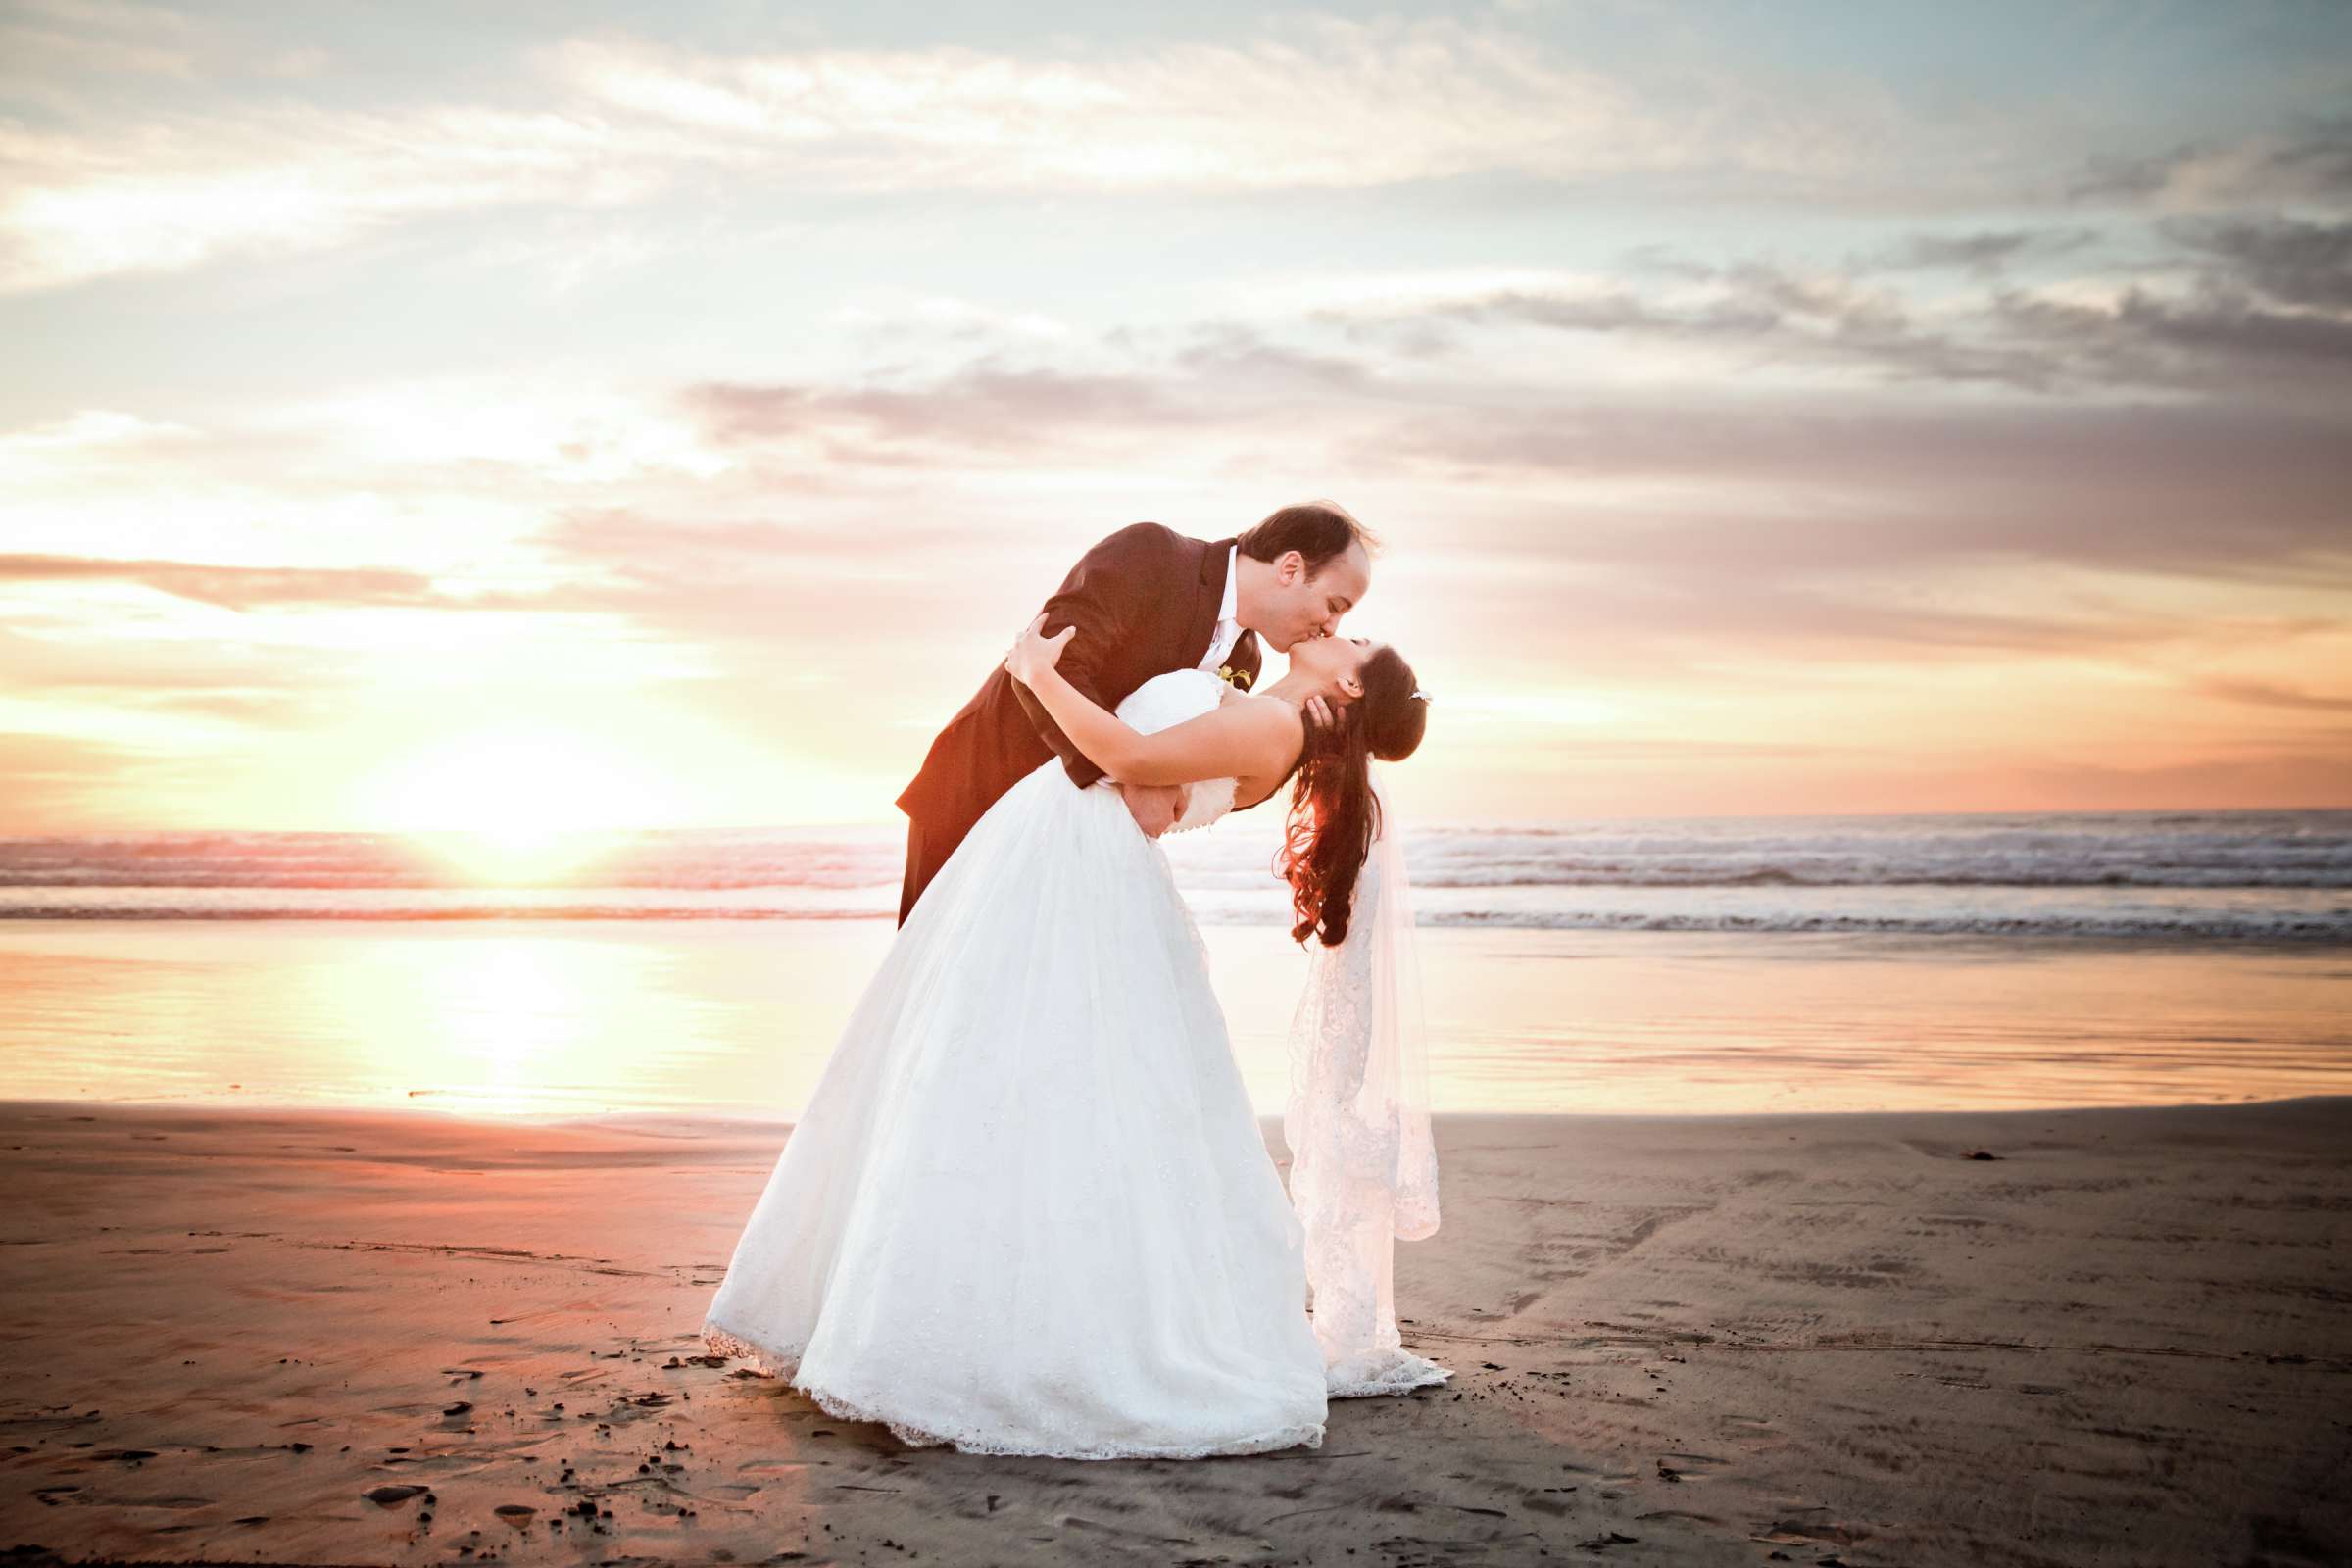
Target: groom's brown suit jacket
1145 602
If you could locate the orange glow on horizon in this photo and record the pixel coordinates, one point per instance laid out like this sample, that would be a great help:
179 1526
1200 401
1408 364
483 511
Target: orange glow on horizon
514 808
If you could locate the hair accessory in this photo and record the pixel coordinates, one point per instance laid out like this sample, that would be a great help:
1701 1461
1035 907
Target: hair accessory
1422 696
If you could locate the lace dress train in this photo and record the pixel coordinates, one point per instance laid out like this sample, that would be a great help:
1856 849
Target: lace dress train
1363 1161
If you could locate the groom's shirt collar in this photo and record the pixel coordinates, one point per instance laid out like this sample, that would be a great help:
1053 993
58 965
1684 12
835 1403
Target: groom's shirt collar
1229 628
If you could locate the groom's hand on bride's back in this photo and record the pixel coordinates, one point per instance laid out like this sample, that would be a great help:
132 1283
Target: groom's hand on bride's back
1087 603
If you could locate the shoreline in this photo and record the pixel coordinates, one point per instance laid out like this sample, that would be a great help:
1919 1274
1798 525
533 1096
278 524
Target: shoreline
688 1120
1930 936
1677 1339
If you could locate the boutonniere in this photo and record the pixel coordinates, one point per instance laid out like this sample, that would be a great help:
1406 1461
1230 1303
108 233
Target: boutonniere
1235 678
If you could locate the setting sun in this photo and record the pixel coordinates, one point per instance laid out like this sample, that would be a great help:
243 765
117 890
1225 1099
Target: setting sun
515 806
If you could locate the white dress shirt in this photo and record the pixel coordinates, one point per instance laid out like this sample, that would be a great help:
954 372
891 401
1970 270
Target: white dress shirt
1229 630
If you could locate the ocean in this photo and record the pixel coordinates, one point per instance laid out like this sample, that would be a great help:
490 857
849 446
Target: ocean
2193 876
1704 966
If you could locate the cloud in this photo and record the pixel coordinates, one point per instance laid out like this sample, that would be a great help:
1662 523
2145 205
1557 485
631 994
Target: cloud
124 664
1754 318
35 758
2283 779
64 783
2269 694
622 120
1804 481
48 42
1725 489
230 587
601 120
167 678
278 177
2210 340
1315 102
1216 379
2309 162
1983 254
982 409
1763 310
2291 261
822 598
834 505
1829 526
109 436
1658 608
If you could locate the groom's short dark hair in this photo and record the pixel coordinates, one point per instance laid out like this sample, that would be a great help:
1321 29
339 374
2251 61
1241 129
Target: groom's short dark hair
1320 530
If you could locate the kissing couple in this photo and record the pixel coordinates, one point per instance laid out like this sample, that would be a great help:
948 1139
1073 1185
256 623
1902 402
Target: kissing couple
1028 1208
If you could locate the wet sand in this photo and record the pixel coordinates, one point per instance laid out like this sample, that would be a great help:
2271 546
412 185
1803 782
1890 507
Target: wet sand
369 1337
738 1017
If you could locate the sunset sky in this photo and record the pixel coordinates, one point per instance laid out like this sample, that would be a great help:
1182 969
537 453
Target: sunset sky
458 415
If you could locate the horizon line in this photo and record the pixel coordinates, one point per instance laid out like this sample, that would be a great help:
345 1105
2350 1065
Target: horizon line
1434 823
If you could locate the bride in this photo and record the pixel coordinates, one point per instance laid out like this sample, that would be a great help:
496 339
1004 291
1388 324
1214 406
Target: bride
1028 1208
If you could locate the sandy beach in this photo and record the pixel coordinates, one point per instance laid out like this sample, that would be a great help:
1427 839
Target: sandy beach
367 1337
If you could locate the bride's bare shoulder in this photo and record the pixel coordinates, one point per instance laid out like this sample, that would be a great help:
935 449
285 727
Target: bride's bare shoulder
1268 718
1270 715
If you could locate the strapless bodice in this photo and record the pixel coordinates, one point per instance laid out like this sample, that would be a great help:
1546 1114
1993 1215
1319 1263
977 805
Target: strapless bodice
1169 700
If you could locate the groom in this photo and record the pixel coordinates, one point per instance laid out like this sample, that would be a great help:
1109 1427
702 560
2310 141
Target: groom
1145 601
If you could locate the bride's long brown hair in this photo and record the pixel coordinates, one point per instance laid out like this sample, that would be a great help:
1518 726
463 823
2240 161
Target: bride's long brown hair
1334 816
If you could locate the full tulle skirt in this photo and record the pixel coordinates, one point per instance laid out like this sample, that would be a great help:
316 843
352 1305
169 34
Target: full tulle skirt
1028 1208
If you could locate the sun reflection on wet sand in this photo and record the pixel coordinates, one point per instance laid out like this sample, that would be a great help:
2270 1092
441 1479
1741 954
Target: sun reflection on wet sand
510 1010
550 1019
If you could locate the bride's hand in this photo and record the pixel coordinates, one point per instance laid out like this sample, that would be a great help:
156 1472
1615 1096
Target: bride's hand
1032 650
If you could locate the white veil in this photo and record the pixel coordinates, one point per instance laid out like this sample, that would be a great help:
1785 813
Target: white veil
1363 1167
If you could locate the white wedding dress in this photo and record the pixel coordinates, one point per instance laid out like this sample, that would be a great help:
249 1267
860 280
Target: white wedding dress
1028 1208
